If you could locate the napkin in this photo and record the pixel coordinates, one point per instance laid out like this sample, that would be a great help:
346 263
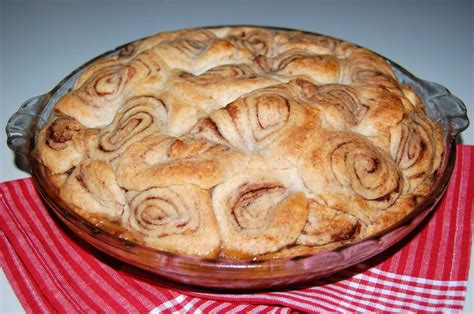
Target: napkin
50 269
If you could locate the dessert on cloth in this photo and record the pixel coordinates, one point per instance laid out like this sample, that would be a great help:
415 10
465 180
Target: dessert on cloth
241 142
51 271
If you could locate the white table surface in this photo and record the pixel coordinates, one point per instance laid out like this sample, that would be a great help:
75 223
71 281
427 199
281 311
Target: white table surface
43 40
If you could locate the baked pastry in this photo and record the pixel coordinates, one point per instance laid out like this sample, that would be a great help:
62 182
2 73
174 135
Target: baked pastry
241 142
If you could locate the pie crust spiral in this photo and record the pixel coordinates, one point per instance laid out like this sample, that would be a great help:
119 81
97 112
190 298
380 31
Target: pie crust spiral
241 142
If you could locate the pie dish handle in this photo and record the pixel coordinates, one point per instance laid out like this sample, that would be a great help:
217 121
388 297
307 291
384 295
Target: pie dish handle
20 126
447 106
440 104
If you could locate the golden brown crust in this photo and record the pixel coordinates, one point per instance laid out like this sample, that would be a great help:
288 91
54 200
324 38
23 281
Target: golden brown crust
348 166
260 212
159 161
176 219
92 190
139 117
327 225
241 142
271 121
95 102
61 144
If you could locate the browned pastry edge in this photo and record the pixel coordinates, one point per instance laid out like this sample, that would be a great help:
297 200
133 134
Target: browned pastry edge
205 107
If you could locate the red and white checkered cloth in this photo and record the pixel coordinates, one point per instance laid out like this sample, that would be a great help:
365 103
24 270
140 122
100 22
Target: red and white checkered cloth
50 271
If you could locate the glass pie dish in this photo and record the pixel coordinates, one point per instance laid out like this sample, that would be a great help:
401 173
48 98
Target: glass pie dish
23 131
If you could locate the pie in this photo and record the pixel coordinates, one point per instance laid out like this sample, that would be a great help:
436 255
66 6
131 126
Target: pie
241 142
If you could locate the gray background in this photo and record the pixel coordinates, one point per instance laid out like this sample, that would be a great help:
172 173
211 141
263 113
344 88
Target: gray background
42 41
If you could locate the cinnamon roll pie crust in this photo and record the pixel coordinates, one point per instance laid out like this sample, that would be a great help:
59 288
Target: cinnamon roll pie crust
241 142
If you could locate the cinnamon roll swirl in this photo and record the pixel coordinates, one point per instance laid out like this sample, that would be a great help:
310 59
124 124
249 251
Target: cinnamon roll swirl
180 52
260 212
269 121
257 41
95 68
129 51
102 91
139 117
96 101
416 146
193 43
363 67
176 219
349 163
